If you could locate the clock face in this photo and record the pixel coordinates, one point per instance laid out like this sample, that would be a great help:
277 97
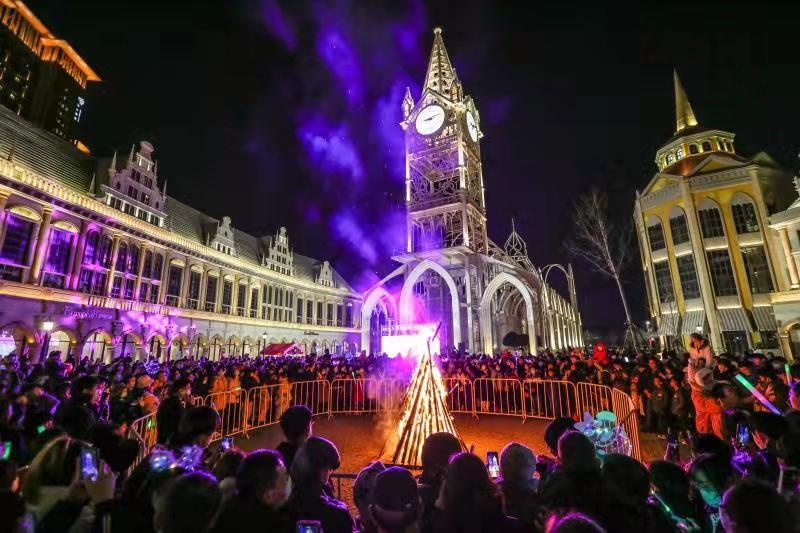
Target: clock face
472 127
430 119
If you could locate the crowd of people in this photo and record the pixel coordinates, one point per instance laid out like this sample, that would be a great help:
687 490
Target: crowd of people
67 463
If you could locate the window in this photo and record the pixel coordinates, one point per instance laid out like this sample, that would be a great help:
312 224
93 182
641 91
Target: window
157 265
104 255
148 264
679 229
133 193
143 291
309 311
128 292
757 268
135 176
241 297
670 158
664 282
254 302
656 234
348 316
711 223
133 260
693 149
227 292
145 199
122 258
706 146
148 182
211 290
687 273
154 293
142 215
99 283
17 242
57 262
300 307
679 153
719 264
744 218
116 287
319 313
174 280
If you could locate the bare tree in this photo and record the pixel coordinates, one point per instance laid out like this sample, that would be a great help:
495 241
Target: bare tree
598 242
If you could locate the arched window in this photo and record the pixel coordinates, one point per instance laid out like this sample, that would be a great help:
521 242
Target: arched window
745 217
122 258
678 226
57 263
104 254
148 264
90 248
693 149
670 158
133 260
18 239
710 220
158 263
679 153
656 234
706 146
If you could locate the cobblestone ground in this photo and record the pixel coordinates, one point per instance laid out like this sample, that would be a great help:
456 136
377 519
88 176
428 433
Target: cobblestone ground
360 439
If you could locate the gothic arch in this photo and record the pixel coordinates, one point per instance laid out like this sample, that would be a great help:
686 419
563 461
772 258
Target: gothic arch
408 286
485 309
376 295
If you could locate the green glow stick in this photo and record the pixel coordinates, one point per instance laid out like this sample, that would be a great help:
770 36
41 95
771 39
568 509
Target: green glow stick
761 398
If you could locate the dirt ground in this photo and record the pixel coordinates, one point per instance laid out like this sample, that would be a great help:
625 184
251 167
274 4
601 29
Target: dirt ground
360 439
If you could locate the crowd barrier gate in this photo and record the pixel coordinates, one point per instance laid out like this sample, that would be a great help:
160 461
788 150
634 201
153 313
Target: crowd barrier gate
244 410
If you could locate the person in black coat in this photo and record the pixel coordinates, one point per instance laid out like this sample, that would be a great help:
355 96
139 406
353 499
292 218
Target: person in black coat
171 409
76 416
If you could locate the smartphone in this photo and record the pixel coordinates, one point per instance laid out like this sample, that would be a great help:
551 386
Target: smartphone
673 451
742 436
191 456
493 464
90 463
308 526
226 443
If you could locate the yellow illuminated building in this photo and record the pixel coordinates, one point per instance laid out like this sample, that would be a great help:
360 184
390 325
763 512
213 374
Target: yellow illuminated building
709 258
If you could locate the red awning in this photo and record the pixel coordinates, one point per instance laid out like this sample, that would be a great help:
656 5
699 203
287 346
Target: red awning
282 348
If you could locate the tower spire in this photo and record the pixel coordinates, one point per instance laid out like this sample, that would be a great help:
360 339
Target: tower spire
684 116
113 166
440 75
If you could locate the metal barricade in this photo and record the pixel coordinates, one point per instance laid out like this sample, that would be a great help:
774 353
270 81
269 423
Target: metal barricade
230 406
145 432
316 395
353 396
460 395
261 407
593 398
627 418
549 399
391 393
498 396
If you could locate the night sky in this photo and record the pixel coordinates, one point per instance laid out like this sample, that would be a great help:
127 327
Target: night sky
285 113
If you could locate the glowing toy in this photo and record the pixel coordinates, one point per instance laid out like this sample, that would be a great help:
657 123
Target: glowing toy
605 434
755 392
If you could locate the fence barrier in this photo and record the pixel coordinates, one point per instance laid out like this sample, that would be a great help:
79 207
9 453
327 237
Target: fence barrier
244 410
549 399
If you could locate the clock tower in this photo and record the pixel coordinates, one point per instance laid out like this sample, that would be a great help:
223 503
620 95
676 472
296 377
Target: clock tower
444 182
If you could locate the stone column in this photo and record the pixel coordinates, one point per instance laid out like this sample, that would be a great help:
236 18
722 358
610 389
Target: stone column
3 200
786 346
248 298
114 253
220 285
40 247
201 297
234 294
77 260
162 295
794 278
183 297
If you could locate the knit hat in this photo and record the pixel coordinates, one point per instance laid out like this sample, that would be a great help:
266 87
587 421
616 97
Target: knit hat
364 486
396 490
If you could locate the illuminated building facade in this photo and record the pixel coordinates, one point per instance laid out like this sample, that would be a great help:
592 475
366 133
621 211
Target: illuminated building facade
42 78
97 250
451 272
709 258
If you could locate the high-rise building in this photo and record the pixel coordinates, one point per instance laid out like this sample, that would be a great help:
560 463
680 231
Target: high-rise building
42 78
709 258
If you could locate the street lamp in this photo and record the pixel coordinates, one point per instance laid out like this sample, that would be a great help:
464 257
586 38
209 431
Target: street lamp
47 327
264 338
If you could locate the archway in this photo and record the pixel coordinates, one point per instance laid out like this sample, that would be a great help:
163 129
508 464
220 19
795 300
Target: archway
130 345
528 297
178 347
16 338
232 346
61 340
407 299
197 348
215 348
247 346
157 347
97 346
378 307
